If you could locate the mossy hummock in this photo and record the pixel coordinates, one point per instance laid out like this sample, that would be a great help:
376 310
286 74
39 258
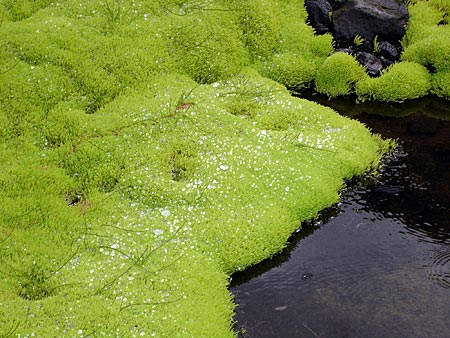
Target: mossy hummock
144 159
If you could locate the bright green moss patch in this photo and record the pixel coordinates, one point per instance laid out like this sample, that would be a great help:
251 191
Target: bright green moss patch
427 42
401 81
432 52
143 161
293 70
338 75
440 83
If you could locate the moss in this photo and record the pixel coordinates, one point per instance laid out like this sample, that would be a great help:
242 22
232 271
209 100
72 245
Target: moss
338 75
440 84
401 81
210 52
17 10
143 161
432 52
260 23
299 53
293 70
426 41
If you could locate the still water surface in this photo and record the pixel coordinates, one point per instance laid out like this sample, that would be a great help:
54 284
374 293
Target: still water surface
375 265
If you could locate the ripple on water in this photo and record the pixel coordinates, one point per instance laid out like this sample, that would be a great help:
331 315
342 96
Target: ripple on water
380 267
440 267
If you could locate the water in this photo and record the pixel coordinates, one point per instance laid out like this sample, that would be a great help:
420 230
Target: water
375 265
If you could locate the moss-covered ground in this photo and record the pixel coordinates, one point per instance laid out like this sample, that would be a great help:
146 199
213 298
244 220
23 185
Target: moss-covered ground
148 151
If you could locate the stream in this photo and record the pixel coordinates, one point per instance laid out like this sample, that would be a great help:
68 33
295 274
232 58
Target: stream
377 264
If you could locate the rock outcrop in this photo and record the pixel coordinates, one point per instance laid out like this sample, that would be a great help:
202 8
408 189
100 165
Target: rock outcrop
371 30
385 19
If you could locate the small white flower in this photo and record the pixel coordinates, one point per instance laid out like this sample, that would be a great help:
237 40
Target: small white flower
115 246
287 188
223 167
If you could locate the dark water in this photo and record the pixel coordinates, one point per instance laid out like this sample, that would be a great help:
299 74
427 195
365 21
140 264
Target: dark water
378 263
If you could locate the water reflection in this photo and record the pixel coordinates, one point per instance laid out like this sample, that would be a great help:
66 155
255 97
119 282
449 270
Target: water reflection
430 106
377 264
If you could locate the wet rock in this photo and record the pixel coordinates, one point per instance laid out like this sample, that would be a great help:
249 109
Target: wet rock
373 65
319 13
378 26
386 62
348 50
388 50
370 18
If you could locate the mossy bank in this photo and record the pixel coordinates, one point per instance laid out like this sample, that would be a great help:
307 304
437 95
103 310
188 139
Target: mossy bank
148 151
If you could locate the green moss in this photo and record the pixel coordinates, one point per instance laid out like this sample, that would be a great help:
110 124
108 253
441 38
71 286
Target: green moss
426 41
440 84
431 52
260 23
423 22
293 70
401 81
17 10
210 51
142 161
338 75
299 51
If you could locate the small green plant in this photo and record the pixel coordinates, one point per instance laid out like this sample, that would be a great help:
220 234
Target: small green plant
376 45
358 40
35 283
241 86
207 53
9 331
115 11
179 161
260 26
441 84
242 107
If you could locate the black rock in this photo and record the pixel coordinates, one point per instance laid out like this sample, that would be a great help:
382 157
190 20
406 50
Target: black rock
348 50
386 62
385 19
388 50
319 13
373 65
369 20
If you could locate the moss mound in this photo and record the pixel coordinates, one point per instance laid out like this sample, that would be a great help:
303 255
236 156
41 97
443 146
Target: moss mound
401 81
144 159
427 42
338 75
